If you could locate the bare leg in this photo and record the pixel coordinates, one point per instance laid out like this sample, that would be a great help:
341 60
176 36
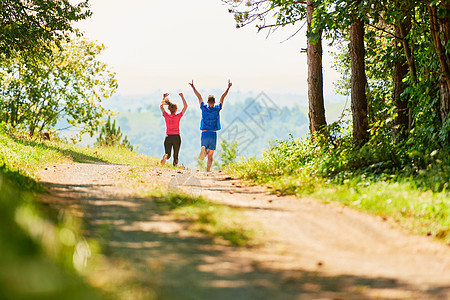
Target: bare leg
210 154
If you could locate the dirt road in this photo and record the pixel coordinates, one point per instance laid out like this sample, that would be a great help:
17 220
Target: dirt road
311 250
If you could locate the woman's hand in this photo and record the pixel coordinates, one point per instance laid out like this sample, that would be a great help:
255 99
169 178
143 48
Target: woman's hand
184 103
165 100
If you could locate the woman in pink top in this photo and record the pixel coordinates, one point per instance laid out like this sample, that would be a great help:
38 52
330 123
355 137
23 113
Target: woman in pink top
173 139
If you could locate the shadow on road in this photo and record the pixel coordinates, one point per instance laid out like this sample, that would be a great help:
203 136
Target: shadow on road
178 264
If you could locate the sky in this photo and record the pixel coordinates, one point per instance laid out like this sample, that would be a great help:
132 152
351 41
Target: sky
163 45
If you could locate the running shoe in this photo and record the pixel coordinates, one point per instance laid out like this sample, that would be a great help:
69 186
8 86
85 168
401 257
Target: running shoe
163 160
203 153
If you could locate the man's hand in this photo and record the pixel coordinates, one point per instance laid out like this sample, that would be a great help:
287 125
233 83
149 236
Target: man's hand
181 95
226 92
200 100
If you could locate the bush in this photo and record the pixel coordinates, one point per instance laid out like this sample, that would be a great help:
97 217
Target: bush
331 155
111 136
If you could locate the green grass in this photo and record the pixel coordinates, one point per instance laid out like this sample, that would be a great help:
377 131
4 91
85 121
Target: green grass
21 158
221 223
423 212
395 197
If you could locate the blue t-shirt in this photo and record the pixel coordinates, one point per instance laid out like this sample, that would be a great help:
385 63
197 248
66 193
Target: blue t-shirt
210 117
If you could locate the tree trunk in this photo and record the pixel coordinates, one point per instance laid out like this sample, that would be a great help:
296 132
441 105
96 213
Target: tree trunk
444 82
403 30
358 83
440 32
401 122
444 93
316 112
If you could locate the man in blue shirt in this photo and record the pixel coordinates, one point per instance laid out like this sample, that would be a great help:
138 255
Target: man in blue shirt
209 124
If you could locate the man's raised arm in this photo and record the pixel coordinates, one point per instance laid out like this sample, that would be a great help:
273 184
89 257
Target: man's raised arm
226 92
200 100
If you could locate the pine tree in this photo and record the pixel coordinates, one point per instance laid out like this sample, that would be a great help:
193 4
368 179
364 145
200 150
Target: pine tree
111 136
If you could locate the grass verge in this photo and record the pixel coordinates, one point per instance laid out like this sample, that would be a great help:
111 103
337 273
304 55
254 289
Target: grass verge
27 156
398 199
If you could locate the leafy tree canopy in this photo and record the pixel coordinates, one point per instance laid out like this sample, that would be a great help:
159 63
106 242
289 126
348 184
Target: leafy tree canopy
27 25
36 92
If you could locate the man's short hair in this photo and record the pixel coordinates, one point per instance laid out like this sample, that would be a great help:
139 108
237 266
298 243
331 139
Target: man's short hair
211 99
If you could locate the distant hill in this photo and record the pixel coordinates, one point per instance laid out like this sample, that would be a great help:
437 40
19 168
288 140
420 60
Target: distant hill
253 120
140 102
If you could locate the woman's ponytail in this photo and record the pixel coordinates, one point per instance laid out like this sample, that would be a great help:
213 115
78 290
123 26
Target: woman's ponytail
172 106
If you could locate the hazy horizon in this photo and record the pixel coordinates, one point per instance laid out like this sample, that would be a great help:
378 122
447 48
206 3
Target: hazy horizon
165 45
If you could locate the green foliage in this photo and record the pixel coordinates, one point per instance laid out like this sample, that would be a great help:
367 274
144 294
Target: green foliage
428 131
201 164
37 251
422 160
111 136
29 26
37 91
229 152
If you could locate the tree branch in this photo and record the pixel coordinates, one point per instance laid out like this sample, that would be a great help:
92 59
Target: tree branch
385 31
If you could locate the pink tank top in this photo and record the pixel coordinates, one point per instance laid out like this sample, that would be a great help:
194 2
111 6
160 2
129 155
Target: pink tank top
172 123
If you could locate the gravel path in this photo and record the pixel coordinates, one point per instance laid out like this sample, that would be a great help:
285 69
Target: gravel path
311 250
